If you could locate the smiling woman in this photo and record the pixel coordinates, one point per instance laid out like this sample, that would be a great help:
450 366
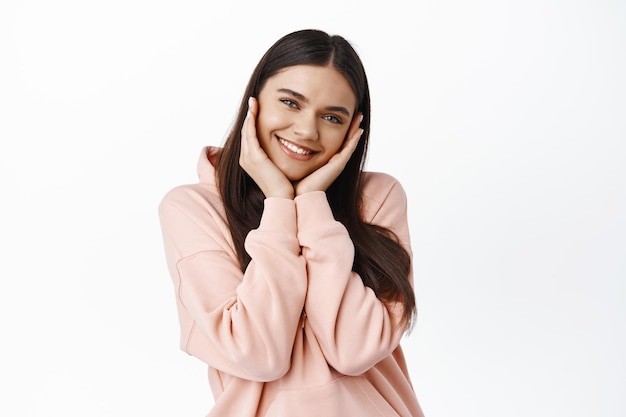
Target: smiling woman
291 264
305 113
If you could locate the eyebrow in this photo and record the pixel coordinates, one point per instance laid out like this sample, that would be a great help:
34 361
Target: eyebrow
339 109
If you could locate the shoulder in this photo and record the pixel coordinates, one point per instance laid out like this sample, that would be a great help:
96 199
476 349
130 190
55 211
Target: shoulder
188 194
379 182
380 186
192 200
381 190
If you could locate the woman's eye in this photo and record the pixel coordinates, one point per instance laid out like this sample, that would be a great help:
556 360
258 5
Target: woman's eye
289 103
333 119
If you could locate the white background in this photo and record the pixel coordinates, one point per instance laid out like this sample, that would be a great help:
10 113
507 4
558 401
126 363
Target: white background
505 121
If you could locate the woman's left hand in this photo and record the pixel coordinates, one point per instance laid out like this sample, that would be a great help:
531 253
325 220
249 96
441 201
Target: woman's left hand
323 177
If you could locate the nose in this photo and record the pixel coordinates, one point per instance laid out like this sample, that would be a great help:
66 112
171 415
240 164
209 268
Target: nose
305 126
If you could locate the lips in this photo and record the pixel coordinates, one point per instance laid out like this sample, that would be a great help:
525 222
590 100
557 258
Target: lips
294 149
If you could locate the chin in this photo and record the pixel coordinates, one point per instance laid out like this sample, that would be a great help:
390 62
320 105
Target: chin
295 178
295 175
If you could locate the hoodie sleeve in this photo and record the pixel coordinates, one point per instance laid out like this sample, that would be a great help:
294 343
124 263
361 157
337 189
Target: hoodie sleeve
243 324
354 328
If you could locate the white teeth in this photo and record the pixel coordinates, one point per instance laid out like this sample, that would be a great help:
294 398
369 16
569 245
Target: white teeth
294 148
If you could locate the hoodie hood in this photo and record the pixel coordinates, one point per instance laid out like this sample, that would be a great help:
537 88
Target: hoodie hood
206 167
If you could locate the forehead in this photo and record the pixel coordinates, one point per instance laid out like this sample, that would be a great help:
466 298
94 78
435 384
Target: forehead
316 83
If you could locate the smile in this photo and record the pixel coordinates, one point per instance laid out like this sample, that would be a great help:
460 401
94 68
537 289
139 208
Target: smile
293 148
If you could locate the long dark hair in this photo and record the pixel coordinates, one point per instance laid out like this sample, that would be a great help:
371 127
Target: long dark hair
382 263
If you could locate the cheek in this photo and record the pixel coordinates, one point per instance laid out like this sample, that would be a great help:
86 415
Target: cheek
268 122
335 141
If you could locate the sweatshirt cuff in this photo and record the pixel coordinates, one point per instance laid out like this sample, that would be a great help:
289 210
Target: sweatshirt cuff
279 216
313 210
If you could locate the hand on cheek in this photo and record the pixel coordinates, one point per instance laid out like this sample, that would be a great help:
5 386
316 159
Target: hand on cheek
255 161
323 177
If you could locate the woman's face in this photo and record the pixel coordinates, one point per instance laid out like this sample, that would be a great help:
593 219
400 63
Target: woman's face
304 115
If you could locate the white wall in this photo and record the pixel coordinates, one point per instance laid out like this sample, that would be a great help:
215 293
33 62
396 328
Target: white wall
504 120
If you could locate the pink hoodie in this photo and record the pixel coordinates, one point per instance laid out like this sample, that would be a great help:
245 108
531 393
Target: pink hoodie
297 334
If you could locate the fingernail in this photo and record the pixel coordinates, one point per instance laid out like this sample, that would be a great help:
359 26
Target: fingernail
250 101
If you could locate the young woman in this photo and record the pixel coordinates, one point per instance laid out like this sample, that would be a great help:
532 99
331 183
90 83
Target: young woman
292 265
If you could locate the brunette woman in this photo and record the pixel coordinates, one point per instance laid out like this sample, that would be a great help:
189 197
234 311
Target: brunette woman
291 264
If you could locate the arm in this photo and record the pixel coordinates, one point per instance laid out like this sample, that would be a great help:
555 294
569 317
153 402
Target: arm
243 324
354 328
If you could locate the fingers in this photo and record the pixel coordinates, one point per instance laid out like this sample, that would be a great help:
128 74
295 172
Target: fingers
354 135
248 129
355 126
253 106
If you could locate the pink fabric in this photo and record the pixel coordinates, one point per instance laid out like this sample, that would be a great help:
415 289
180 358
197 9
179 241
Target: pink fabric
297 334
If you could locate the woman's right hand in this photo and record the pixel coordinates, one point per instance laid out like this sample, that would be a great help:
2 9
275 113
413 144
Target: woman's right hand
253 160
